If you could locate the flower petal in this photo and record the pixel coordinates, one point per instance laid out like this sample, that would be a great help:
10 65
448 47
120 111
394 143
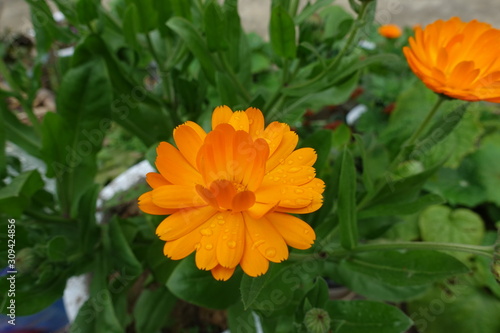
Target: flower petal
182 247
156 180
174 167
260 209
206 253
297 233
231 242
183 221
239 120
188 142
266 239
285 148
256 122
253 262
222 273
147 206
177 197
221 115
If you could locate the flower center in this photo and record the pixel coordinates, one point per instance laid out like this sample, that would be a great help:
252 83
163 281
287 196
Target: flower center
227 195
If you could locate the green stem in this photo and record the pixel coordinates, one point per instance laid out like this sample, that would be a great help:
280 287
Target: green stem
398 159
227 68
352 35
49 218
486 251
426 121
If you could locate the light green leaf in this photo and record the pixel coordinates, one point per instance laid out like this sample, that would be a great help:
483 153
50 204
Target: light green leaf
152 309
402 208
215 27
366 316
131 26
16 195
282 32
442 224
487 159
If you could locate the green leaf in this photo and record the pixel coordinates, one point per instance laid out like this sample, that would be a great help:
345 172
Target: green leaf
444 308
347 202
57 248
195 44
16 195
152 309
240 319
341 135
310 9
227 91
131 26
363 283
366 316
274 290
123 257
486 159
147 14
402 208
282 32
22 135
410 268
199 287
442 224
97 315
215 27
182 8
337 21
87 10
319 294
321 142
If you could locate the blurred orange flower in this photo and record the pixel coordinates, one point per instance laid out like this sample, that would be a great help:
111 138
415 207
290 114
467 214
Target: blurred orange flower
457 59
390 31
229 193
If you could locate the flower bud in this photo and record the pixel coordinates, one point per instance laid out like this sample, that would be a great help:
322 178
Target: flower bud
317 321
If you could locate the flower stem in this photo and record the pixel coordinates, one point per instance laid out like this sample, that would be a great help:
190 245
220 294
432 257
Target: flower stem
242 90
426 121
486 251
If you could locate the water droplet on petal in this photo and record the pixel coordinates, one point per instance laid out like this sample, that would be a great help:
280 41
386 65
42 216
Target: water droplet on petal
225 237
306 231
206 232
271 252
250 121
302 202
257 244
309 177
226 230
294 169
299 191
197 246
209 246
283 190
231 244
300 157
276 179
281 161
290 162
212 225
220 217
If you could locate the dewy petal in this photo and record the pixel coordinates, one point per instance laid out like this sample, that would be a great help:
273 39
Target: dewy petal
188 142
183 221
221 115
222 273
147 206
231 242
253 262
273 134
206 254
266 239
174 167
239 120
177 197
256 122
182 247
285 148
297 233
284 174
289 196
156 180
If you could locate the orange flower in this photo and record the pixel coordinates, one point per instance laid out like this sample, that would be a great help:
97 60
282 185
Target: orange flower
390 31
457 59
229 193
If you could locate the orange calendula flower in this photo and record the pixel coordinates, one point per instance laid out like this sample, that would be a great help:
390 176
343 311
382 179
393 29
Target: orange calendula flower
457 59
230 192
390 31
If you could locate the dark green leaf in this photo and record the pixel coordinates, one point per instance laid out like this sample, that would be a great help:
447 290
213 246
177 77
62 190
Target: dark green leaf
131 26
57 248
402 208
195 43
411 268
240 319
86 10
366 316
17 194
123 257
347 202
215 27
15 131
282 32
152 310
310 9
199 287
97 315
319 294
